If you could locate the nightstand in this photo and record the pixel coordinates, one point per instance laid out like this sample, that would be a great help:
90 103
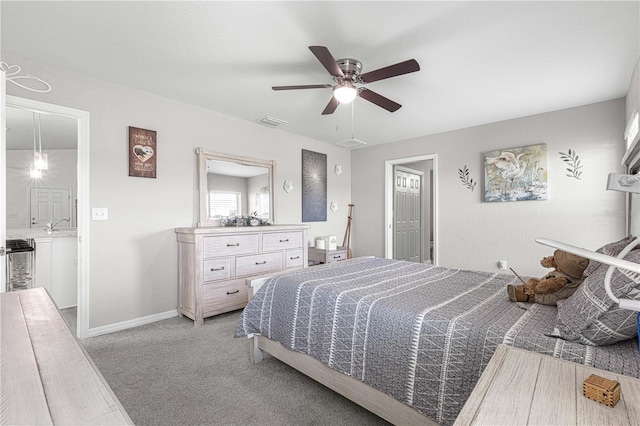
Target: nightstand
519 387
317 256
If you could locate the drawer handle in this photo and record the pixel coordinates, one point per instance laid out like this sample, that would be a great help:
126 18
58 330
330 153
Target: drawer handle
284 241
233 245
233 292
261 263
294 258
217 269
337 256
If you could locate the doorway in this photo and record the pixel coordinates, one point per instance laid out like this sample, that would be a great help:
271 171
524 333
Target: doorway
81 119
50 204
411 210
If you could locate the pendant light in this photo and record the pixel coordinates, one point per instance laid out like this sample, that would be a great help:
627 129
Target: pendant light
40 160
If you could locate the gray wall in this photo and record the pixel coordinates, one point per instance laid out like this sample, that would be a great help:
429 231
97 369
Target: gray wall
133 267
133 255
475 235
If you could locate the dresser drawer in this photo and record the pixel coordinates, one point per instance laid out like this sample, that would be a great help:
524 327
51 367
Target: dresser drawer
294 258
336 256
258 264
281 241
225 296
217 269
230 245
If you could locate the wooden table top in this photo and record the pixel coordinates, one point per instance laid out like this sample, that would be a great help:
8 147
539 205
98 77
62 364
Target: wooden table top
520 387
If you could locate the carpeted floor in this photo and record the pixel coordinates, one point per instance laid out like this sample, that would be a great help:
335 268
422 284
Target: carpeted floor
172 373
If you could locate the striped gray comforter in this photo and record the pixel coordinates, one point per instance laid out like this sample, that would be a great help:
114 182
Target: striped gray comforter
420 333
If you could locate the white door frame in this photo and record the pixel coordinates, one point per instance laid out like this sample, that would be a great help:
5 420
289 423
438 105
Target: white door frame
3 183
82 118
388 202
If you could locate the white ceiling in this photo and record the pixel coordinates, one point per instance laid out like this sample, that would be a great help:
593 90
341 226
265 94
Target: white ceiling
56 132
481 62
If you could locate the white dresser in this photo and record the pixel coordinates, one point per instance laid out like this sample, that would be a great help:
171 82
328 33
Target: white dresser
213 263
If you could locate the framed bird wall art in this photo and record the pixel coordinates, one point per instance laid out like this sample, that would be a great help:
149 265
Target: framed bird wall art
142 152
516 174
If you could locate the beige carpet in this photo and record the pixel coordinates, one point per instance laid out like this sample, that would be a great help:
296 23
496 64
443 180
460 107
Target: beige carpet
172 373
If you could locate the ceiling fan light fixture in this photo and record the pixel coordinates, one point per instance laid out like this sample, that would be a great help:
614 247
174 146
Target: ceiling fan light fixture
345 93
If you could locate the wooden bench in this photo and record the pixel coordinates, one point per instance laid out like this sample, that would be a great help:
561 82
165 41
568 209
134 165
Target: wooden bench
46 377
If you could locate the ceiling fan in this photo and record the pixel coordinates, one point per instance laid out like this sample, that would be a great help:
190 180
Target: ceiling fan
346 73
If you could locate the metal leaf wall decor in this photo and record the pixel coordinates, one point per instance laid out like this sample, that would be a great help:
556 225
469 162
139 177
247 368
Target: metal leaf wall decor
573 164
466 180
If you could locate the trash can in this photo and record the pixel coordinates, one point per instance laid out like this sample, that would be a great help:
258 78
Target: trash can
20 264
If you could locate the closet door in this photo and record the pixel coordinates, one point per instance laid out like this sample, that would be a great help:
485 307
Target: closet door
407 215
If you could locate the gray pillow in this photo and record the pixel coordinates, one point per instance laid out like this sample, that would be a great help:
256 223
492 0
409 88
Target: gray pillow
589 317
611 249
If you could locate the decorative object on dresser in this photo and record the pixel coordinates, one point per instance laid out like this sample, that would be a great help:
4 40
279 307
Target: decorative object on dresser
214 262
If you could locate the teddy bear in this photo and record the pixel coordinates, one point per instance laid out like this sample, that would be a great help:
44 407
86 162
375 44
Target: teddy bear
558 284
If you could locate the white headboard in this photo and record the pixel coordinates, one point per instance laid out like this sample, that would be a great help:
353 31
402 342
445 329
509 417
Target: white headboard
633 202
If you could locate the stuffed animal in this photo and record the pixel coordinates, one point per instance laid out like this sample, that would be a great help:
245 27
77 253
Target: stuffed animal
559 284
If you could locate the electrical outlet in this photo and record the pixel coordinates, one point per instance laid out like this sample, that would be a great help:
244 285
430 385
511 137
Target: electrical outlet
502 264
100 213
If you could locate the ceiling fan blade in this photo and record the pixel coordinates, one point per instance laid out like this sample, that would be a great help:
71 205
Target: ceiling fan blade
308 86
379 100
331 106
327 60
401 68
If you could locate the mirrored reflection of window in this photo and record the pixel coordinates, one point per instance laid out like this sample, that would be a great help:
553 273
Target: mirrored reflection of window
262 203
224 203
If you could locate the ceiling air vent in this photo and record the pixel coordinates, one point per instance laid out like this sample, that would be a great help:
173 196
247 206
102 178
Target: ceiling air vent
272 121
350 143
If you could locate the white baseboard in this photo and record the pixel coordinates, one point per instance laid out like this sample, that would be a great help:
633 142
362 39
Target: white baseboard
105 329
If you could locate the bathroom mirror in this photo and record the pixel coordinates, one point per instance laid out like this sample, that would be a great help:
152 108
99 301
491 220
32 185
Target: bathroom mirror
232 186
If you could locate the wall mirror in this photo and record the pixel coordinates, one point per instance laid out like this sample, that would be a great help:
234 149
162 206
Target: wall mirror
232 186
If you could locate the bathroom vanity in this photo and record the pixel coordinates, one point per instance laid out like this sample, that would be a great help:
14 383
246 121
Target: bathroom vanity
55 261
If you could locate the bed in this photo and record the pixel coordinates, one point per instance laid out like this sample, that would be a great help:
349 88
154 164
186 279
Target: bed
407 341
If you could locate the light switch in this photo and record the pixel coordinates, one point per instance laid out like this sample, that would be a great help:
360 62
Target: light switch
100 213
